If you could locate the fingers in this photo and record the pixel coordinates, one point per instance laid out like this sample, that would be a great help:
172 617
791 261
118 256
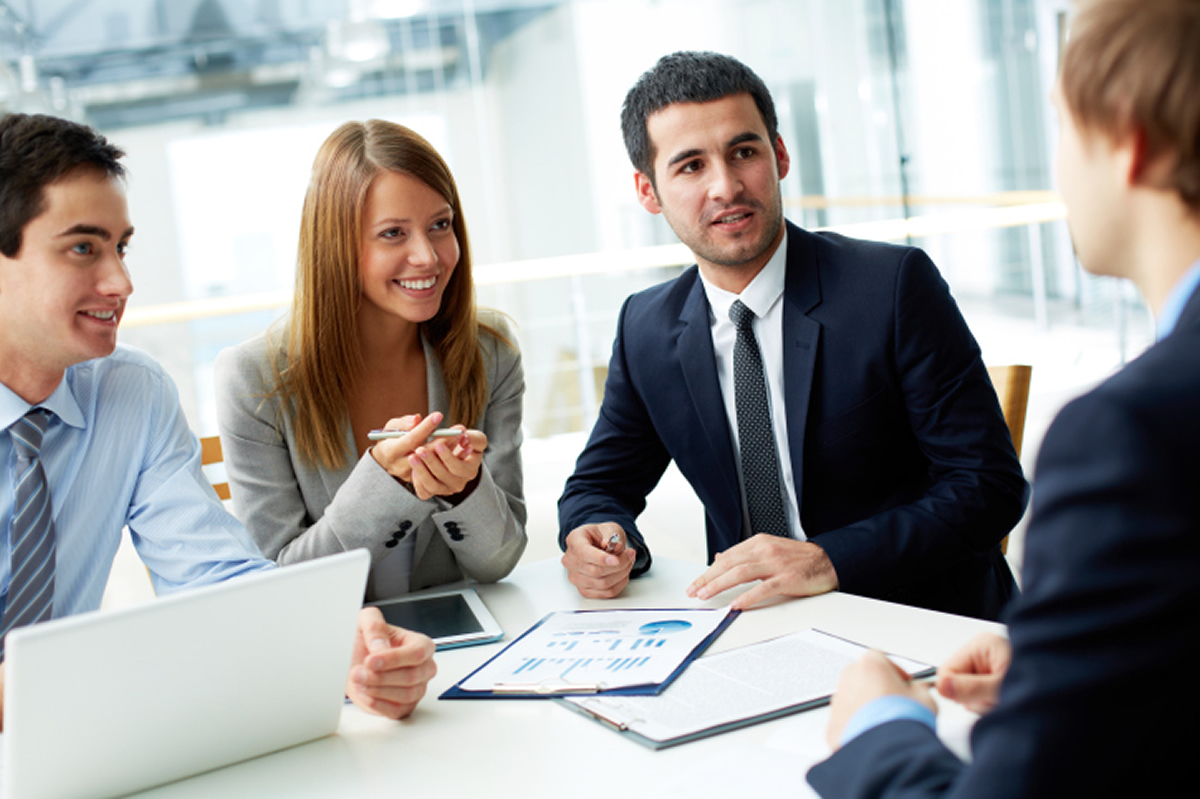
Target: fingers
716 578
391 669
977 693
595 573
784 567
864 681
393 453
986 653
972 675
438 471
476 440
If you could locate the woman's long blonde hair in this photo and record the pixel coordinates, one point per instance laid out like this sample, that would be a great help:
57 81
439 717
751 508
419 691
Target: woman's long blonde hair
324 356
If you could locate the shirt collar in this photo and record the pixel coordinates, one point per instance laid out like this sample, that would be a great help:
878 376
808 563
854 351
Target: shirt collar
1177 300
760 295
61 403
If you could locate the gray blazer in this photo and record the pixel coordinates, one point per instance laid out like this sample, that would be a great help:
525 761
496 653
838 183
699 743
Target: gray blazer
296 511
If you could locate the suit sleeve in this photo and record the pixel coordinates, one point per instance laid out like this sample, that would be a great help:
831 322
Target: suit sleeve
1104 636
974 491
624 458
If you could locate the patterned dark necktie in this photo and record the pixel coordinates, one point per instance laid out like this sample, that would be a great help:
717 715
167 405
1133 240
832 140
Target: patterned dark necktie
31 546
756 438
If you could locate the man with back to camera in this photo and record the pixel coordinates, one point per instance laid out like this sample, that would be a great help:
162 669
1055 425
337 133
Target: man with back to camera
820 391
1104 637
93 435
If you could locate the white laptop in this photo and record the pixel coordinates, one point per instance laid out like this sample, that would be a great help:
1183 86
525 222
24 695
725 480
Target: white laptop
106 703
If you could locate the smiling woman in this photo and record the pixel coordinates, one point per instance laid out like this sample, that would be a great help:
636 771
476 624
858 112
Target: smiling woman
383 332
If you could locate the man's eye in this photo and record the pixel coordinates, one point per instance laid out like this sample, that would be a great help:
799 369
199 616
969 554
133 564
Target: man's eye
122 248
690 166
744 152
83 248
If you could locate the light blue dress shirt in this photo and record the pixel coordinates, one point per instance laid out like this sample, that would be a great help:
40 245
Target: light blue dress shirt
118 451
884 709
1168 315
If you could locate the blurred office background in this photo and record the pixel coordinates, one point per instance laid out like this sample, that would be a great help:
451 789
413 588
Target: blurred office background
925 120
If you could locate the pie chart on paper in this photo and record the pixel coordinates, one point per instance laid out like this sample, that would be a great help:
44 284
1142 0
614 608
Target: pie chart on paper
665 627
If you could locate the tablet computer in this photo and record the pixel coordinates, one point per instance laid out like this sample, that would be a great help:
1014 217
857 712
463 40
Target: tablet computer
450 618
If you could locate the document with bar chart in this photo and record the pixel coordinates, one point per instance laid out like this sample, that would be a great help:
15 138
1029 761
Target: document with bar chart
597 651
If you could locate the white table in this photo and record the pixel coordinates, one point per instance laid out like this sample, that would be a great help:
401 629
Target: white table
535 748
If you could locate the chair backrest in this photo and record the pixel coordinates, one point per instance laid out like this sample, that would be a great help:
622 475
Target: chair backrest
1012 389
210 453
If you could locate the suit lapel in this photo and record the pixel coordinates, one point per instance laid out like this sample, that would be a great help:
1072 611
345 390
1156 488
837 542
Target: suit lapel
700 374
801 334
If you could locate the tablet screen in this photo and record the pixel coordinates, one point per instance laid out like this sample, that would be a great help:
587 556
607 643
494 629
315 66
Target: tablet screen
437 617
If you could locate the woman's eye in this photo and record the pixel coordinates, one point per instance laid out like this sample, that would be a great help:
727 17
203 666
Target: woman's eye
441 224
392 233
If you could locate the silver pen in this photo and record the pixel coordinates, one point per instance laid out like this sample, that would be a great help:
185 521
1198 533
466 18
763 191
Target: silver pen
380 435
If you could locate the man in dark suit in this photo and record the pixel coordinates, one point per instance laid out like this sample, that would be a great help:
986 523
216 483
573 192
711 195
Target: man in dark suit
1104 638
863 431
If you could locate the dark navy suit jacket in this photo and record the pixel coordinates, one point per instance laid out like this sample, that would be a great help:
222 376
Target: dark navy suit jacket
1101 698
904 468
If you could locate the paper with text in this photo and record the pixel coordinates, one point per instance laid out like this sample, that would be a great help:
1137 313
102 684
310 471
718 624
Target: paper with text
750 682
598 650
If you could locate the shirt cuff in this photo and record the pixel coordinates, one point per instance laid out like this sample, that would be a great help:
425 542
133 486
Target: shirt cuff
884 709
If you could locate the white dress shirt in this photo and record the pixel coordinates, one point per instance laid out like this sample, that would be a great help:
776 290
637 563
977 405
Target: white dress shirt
764 296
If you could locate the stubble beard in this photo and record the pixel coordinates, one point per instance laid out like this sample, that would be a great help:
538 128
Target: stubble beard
749 251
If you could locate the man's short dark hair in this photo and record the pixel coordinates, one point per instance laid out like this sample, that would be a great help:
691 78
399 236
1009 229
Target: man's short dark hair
687 77
35 151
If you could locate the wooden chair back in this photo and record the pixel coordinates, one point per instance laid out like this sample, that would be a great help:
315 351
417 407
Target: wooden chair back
210 453
1012 389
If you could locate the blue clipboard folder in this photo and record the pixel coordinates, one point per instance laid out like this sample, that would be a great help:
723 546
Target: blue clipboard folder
619 652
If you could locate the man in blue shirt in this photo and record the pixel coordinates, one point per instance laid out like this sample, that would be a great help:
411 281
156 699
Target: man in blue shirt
1104 637
99 428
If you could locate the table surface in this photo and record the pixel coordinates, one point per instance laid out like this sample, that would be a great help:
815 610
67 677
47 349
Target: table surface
533 748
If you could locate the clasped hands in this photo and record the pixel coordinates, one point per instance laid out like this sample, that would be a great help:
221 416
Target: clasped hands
971 677
782 567
439 468
390 667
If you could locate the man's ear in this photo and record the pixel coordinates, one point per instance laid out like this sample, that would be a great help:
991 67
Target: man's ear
1139 165
645 193
781 157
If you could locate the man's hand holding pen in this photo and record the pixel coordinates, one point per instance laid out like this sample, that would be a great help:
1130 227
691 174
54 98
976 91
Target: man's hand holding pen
598 560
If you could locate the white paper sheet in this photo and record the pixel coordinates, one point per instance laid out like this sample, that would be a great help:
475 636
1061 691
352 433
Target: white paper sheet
598 650
738 684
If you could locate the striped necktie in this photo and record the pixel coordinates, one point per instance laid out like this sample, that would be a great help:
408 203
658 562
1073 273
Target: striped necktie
756 436
31 541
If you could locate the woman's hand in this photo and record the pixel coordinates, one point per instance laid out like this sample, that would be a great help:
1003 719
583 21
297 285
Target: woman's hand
441 467
392 453
447 467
